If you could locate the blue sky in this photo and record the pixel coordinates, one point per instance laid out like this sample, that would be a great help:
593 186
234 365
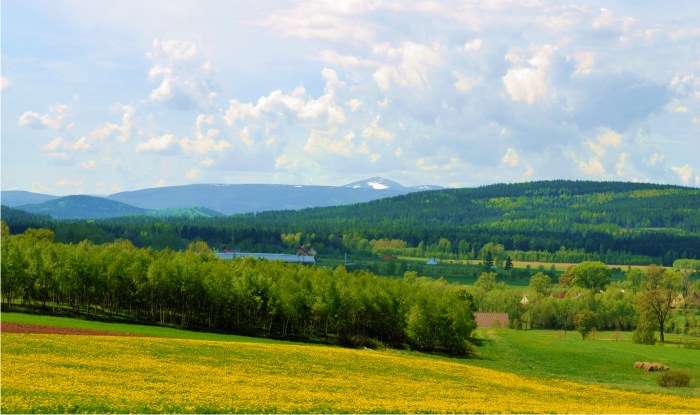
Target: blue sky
103 96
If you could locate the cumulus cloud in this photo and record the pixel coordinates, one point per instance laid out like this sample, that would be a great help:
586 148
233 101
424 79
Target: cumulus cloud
541 90
297 104
407 65
374 131
684 173
465 83
511 158
527 80
182 75
54 119
193 174
473 45
162 144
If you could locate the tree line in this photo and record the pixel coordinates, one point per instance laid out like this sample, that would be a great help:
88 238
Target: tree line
194 289
656 300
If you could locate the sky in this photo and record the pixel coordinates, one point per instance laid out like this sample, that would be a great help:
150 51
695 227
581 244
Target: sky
104 96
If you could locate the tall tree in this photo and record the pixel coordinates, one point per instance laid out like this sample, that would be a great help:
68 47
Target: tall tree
660 288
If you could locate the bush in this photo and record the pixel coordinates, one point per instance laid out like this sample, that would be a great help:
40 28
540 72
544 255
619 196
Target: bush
673 378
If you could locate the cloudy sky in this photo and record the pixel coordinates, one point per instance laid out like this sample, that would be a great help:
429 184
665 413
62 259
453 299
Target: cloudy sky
103 96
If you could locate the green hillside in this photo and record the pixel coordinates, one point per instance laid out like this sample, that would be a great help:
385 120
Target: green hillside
658 221
82 206
189 213
547 221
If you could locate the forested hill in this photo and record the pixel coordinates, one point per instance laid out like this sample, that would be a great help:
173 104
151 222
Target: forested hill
611 221
547 205
659 221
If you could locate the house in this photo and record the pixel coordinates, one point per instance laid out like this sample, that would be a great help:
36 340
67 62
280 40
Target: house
491 319
296 259
432 261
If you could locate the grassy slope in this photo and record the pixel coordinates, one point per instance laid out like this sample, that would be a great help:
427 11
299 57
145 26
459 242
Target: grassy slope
608 358
236 373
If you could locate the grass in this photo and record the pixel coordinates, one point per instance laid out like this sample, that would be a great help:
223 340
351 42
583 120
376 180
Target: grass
205 372
606 358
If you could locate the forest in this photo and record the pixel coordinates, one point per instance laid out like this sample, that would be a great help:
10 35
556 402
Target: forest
193 289
557 221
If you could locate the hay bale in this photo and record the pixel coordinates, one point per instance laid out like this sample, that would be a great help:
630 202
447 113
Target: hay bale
650 366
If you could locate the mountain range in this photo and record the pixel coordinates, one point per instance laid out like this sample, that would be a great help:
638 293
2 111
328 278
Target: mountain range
206 200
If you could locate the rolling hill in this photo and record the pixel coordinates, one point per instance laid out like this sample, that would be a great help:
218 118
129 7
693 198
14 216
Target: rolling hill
645 219
82 207
617 222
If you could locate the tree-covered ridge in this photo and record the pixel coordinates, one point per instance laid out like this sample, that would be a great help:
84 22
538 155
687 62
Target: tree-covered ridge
620 223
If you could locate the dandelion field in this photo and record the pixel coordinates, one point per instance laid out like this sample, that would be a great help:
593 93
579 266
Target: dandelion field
78 373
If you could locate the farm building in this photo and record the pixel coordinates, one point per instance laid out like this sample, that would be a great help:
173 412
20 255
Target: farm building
297 259
491 319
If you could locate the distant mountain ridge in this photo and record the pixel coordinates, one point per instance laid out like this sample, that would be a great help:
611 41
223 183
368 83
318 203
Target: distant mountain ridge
244 198
209 200
14 198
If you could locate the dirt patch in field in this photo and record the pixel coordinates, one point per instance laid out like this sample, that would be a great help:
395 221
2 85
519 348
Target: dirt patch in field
33 328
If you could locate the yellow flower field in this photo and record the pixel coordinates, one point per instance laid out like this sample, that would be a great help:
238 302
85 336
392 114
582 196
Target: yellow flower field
66 373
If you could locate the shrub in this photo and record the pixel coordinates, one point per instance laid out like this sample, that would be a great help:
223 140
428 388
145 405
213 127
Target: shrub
673 378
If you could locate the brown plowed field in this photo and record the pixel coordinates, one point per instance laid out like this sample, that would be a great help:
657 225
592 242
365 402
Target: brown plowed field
31 328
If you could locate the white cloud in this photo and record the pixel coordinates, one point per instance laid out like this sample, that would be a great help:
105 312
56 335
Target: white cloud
354 104
162 144
206 139
173 50
408 65
511 158
473 45
655 158
592 167
320 143
606 139
182 76
528 80
55 144
684 173
345 61
88 165
122 131
465 83
584 62
193 174
4 83
328 21
53 120
374 131
297 104
69 183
